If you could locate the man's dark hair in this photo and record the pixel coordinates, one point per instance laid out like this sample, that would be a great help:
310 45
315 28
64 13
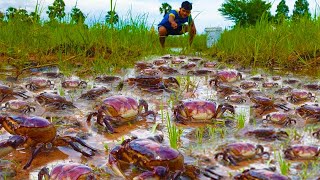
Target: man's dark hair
186 5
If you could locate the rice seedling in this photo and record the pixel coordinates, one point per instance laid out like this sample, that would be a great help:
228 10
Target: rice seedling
174 133
241 120
284 165
199 134
106 147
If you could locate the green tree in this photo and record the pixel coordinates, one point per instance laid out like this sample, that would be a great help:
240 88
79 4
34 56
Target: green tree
245 12
282 12
2 16
301 9
77 15
112 17
165 8
17 15
56 11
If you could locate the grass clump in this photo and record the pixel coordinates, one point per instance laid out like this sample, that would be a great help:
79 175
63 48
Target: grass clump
174 133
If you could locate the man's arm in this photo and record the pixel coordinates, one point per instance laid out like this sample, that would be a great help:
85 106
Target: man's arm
174 25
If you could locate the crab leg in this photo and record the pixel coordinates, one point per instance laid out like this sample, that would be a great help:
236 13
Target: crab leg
11 144
35 152
21 94
114 163
44 172
68 140
211 174
109 127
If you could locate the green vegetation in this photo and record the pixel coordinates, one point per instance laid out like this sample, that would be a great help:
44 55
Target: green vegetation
174 133
241 120
284 165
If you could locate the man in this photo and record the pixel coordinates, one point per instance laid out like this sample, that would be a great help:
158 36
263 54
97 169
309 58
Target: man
173 23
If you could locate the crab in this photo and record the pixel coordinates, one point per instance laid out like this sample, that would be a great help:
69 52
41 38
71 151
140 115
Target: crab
142 65
312 87
54 100
94 93
268 173
226 76
298 96
265 103
225 89
167 70
248 84
37 133
117 110
236 98
6 91
200 111
154 83
301 152
189 66
257 78
53 74
267 134
67 171
195 59
107 79
159 62
200 72
150 155
19 106
279 118
38 83
276 78
74 83
291 81
210 64
284 90
177 61
307 110
270 84
240 151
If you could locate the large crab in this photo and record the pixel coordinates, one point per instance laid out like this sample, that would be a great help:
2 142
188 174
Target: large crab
117 110
6 91
309 111
298 96
265 103
153 83
263 174
74 83
200 111
301 152
268 134
37 133
19 106
94 93
53 100
67 171
236 152
149 154
279 118
226 76
38 83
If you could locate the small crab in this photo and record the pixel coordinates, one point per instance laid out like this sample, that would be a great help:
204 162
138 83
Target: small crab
268 134
200 72
236 98
94 93
53 100
284 90
117 110
37 133
19 106
270 84
279 118
225 89
142 65
150 155
210 64
226 76
248 84
6 91
307 110
264 174
177 61
291 81
38 83
74 83
301 152
236 152
67 171
107 79
200 111
189 66
265 104
298 96
312 87
159 62
167 69
195 59
257 78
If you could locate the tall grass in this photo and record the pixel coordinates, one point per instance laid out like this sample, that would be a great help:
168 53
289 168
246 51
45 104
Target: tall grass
174 133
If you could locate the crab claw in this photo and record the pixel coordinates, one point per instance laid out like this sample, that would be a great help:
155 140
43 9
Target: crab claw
159 172
11 144
114 163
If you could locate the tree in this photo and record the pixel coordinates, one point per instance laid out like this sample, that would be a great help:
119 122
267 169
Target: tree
112 17
165 8
56 10
245 12
301 9
77 16
2 16
281 12
17 15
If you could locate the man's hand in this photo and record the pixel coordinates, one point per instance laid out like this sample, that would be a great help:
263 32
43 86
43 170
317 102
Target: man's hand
174 25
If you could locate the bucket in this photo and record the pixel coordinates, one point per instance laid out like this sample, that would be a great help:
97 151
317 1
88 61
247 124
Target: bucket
213 35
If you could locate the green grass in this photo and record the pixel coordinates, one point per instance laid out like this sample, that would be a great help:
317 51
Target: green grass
284 165
241 120
174 133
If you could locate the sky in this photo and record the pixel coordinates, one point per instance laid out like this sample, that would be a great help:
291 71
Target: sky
204 12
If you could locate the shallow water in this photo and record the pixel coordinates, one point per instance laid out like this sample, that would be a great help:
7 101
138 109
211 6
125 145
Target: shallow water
199 142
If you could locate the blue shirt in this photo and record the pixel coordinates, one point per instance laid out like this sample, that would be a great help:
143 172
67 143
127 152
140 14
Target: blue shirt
179 20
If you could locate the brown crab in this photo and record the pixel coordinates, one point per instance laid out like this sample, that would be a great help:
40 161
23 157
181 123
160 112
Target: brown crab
226 76
159 62
107 79
37 133
236 98
167 69
189 66
142 65
307 110
53 100
265 104
18 106
236 152
268 134
248 84
117 110
6 91
270 84
67 171
301 152
94 93
74 83
268 173
298 96
224 89
200 72
150 155
39 83
312 87
279 118
210 64
200 111
284 90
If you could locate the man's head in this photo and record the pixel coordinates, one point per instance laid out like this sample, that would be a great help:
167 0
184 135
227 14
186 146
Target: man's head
185 9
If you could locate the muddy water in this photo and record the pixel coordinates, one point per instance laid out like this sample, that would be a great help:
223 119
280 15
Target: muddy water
199 142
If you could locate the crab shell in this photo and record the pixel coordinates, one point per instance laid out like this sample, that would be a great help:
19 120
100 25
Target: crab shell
299 95
235 98
278 118
270 84
210 64
39 83
74 84
267 134
228 76
242 150
46 98
303 152
71 171
94 92
248 84
16 105
262 174
159 62
308 110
